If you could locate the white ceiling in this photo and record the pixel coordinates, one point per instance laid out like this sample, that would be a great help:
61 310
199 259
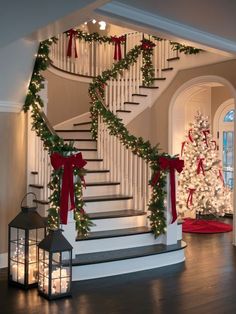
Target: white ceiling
207 22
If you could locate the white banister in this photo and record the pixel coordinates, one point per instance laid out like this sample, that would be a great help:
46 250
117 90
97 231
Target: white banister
94 57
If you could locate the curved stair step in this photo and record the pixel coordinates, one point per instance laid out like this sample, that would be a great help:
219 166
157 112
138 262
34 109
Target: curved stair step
117 214
115 262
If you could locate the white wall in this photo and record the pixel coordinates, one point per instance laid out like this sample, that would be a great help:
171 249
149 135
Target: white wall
16 64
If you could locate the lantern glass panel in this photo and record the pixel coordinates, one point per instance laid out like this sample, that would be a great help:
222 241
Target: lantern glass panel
43 271
14 234
40 234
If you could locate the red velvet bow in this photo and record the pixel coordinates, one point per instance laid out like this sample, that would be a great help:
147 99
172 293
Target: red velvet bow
118 41
206 132
190 197
190 135
67 191
170 164
221 177
182 147
147 44
215 145
72 34
200 166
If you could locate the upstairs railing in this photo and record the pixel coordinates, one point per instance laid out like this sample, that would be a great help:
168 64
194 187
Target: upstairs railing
94 57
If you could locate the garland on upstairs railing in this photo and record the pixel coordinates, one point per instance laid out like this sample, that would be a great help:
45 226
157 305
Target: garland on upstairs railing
188 50
53 143
137 145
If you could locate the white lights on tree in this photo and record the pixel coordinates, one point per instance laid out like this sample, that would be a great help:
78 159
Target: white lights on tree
201 186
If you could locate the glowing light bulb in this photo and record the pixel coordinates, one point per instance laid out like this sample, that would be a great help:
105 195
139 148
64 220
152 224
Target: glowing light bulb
94 21
102 25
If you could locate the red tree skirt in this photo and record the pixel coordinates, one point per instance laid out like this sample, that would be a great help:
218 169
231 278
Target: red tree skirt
205 226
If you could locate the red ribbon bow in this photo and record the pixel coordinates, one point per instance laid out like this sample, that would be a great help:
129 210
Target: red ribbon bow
182 148
221 177
147 44
190 197
200 166
118 41
67 191
170 164
72 34
190 135
215 145
206 132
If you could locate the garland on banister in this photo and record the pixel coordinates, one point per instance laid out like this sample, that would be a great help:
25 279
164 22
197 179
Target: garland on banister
137 145
99 82
54 144
188 50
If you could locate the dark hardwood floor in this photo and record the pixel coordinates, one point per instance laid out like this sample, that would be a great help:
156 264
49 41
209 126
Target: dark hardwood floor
204 284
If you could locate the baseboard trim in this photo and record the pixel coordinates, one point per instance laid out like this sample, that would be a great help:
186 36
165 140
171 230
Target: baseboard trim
10 106
3 260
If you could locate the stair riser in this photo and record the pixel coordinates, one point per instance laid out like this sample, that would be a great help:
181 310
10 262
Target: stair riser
118 223
101 190
84 144
89 154
91 165
108 244
179 232
96 207
82 127
97 177
126 266
75 135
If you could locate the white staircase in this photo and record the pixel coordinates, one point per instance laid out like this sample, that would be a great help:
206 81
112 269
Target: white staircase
116 194
120 240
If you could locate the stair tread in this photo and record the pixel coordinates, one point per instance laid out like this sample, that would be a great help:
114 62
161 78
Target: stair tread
167 69
131 103
102 183
43 202
114 233
88 149
97 170
37 186
94 159
102 198
117 214
122 254
149 87
34 172
119 110
82 123
141 95
71 131
79 139
159 78
173 59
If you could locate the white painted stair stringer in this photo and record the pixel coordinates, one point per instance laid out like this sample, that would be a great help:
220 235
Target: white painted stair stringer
185 62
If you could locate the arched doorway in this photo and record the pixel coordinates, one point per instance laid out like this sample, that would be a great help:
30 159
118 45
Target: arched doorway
205 94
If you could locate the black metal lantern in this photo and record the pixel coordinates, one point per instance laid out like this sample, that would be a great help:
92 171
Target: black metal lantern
55 266
25 231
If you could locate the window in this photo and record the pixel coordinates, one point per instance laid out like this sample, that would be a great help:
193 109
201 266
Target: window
229 117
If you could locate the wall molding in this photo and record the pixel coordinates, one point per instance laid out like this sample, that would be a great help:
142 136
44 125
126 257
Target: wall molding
10 106
3 260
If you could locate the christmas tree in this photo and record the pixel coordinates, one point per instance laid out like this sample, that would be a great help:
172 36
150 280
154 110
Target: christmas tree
201 186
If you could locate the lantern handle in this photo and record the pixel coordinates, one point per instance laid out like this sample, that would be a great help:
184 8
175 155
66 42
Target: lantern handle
35 198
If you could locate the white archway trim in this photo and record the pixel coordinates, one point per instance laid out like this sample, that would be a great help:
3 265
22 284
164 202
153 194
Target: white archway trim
223 108
185 88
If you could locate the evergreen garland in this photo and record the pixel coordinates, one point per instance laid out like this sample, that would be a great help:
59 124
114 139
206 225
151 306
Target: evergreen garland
188 50
53 143
138 146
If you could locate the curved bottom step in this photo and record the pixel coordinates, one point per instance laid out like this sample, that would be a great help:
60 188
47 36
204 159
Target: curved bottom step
104 264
